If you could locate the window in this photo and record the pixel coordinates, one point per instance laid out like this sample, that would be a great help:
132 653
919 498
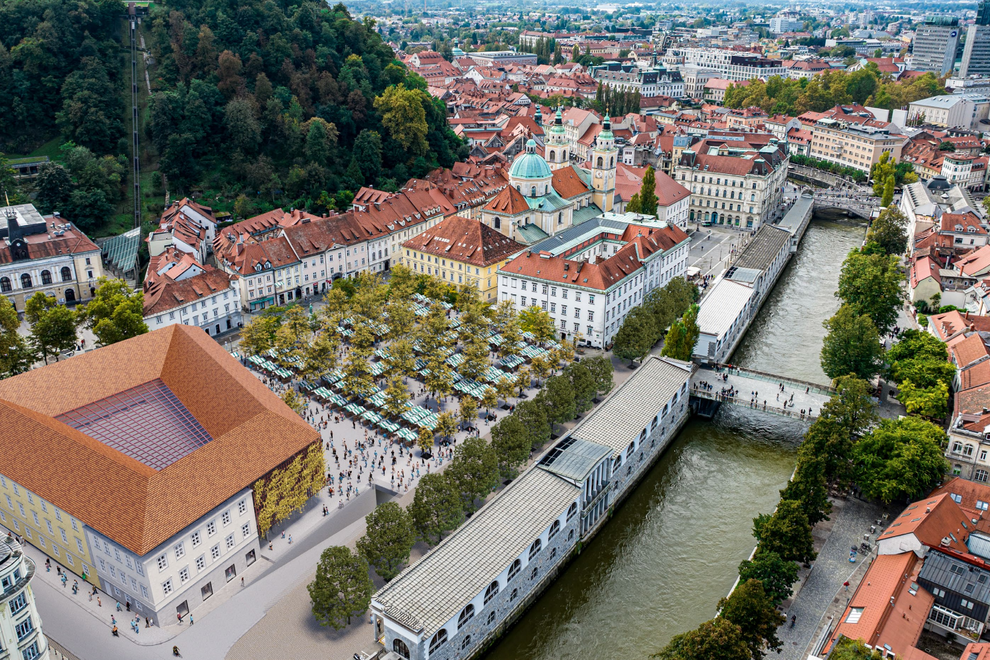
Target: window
400 647
18 603
167 587
184 575
438 640
246 530
46 277
211 528
24 628
491 591
553 553
571 511
554 528
491 617
466 615
250 558
230 541
225 518
66 274
30 652
200 563
532 576
854 614
466 642
195 538
215 552
25 281
207 590
242 507
5 285
980 475
180 550
981 505
514 570
230 572
535 549
162 563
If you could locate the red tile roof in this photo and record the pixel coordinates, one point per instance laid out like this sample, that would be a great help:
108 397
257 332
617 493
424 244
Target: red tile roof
510 202
165 293
465 240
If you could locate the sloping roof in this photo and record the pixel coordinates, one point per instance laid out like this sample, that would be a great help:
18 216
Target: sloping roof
568 183
465 240
622 416
629 181
510 202
722 306
433 590
252 432
121 251
165 293
931 520
969 350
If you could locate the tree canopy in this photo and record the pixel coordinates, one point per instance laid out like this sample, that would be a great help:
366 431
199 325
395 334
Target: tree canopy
388 540
900 459
342 588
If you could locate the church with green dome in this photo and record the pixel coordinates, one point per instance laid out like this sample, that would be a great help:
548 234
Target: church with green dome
548 194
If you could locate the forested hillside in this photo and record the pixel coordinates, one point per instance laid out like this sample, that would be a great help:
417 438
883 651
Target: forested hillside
254 104
289 102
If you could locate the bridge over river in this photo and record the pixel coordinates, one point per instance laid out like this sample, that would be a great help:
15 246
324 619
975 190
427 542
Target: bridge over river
789 397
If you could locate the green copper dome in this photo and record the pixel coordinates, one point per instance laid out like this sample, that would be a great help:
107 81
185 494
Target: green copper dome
530 165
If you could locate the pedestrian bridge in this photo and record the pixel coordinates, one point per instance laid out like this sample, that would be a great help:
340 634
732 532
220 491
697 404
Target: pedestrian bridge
747 388
842 202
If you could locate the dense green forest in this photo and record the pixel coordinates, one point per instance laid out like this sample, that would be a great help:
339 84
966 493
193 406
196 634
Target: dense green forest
290 101
254 104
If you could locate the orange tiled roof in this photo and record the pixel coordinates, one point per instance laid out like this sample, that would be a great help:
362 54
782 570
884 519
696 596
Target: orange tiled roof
568 183
510 202
465 240
165 293
253 432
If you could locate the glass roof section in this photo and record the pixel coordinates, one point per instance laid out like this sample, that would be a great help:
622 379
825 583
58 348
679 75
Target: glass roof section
147 423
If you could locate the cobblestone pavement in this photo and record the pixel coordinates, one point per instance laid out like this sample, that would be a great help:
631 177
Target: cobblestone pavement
828 572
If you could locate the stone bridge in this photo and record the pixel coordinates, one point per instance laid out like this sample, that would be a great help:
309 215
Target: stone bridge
747 388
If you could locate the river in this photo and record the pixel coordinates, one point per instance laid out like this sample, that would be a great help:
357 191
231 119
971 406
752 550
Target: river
672 549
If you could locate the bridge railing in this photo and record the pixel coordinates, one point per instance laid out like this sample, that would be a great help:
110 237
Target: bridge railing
776 410
771 378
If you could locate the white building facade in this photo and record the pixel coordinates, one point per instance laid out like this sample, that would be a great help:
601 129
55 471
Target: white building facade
21 637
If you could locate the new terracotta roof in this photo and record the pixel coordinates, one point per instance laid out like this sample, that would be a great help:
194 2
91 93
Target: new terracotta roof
252 432
969 350
931 520
465 240
568 183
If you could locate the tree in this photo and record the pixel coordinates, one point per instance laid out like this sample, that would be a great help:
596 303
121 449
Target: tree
888 192
888 231
258 334
404 118
425 440
342 588
851 345
853 649
809 487
647 193
602 370
900 459
512 445
397 397
54 185
319 355
776 575
489 399
473 471
468 410
842 421
53 326
446 424
872 284
749 607
682 336
116 312
388 540
537 322
636 336
670 302
436 507
583 385
533 416
15 356
557 397
718 639
294 401
786 531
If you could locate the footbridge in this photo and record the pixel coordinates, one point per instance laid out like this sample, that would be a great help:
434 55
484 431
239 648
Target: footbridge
713 386
858 205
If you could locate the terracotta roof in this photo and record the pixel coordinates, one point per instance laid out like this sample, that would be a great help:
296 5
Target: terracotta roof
887 611
975 376
166 293
465 240
252 432
969 493
40 246
568 183
969 350
922 269
930 520
629 181
510 202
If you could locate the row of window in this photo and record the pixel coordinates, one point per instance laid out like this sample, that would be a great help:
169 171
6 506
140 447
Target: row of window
179 549
27 283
